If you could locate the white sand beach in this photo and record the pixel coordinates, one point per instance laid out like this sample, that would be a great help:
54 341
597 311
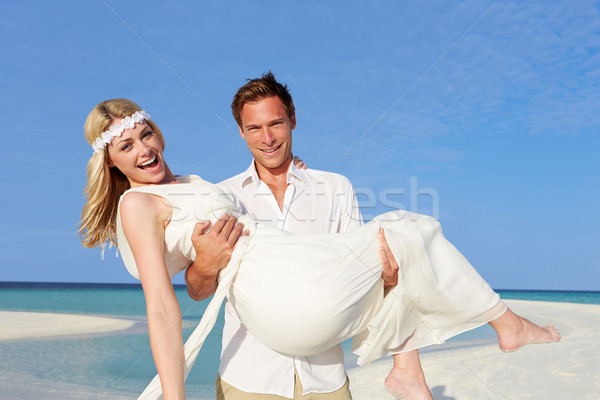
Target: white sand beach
566 370
558 371
27 325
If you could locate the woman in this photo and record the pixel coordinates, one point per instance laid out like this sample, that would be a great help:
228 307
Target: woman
134 199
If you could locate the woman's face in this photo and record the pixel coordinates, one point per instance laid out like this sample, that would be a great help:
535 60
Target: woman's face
137 153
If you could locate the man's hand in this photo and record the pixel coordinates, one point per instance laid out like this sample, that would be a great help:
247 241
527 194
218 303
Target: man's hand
388 262
213 252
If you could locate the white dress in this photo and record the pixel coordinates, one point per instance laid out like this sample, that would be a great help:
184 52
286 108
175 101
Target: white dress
302 294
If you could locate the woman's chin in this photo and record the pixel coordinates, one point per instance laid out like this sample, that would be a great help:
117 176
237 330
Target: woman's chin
146 178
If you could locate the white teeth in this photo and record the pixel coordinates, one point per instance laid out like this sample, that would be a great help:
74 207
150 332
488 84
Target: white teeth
148 162
272 150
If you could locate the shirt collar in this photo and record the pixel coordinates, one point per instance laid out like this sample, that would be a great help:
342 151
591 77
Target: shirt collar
251 175
297 173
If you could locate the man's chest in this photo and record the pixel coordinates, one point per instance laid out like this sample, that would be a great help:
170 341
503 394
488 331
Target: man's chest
302 211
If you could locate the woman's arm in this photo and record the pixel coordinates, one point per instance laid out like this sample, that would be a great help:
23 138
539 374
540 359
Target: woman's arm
144 218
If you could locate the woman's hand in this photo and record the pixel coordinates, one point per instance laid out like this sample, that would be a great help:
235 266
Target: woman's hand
299 163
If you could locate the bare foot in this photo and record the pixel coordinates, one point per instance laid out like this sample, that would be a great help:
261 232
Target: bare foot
515 332
407 385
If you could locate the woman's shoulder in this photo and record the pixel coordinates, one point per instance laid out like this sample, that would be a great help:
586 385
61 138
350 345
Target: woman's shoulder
136 198
183 181
151 198
135 203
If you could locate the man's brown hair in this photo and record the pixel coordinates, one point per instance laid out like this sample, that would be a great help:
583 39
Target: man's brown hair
258 89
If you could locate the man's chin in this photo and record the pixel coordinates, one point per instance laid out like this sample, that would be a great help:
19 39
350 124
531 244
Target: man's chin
273 164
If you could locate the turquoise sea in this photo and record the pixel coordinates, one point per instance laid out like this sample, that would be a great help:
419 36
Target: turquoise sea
119 365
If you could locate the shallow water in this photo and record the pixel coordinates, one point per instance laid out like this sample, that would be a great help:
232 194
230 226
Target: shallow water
115 366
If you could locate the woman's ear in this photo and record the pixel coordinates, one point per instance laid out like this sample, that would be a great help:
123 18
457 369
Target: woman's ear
109 162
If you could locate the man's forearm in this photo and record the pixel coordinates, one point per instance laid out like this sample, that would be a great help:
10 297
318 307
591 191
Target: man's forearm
200 284
213 252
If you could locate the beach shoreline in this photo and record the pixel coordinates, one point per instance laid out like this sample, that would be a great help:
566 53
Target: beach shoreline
19 325
460 370
569 369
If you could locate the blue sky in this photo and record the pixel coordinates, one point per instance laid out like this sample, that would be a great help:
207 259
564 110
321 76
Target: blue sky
482 113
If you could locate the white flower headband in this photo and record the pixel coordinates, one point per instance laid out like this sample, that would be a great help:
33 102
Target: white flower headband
116 130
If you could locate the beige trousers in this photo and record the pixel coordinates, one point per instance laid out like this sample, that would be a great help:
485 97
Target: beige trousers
227 392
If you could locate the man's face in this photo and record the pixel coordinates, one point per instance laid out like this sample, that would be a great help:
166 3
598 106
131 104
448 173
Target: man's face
267 131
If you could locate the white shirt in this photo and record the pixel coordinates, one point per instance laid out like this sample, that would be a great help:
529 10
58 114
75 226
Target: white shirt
315 202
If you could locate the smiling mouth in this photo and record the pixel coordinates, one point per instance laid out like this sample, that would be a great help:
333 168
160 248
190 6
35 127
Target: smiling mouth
150 164
269 151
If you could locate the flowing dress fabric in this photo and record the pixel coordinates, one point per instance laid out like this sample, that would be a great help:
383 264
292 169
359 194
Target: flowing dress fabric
302 294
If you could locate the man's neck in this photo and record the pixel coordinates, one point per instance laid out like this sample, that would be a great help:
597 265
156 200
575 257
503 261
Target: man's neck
273 176
275 179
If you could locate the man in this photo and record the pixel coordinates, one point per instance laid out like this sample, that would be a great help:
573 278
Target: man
277 193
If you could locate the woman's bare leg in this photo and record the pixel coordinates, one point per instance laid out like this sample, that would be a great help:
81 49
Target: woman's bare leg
406 380
515 332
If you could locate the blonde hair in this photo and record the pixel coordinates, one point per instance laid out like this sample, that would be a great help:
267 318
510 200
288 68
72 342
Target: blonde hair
104 185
